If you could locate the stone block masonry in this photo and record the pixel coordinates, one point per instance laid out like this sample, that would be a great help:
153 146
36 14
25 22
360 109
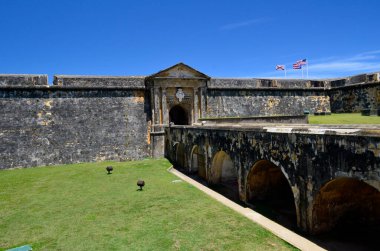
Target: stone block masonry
23 80
44 125
265 102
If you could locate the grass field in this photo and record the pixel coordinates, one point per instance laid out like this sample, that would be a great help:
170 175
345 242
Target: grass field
80 207
344 118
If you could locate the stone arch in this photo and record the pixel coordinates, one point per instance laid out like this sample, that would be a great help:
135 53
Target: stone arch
167 148
197 162
179 115
345 203
266 183
222 168
224 176
180 156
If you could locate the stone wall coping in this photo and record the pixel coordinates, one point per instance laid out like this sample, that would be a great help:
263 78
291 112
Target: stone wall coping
252 117
355 85
99 81
15 80
268 88
256 84
99 76
23 75
334 130
56 87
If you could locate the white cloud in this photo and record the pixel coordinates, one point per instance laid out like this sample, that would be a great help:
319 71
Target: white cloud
232 26
334 67
366 61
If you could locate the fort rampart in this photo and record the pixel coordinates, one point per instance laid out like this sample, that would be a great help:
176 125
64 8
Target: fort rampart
91 118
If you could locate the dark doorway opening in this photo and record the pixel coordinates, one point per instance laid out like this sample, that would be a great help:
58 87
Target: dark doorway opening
178 115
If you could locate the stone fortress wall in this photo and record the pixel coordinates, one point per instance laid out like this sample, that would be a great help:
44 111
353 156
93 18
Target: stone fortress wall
265 97
353 94
75 120
88 118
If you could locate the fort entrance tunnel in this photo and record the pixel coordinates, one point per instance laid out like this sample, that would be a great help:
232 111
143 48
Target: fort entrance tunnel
318 182
178 115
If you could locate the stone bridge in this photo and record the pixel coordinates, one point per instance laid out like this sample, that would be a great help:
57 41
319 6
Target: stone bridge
329 176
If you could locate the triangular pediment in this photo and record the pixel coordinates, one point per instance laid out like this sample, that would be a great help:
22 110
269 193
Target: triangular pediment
180 70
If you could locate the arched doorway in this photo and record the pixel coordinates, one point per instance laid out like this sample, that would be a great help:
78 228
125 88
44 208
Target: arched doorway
269 191
178 115
180 156
224 176
346 205
198 164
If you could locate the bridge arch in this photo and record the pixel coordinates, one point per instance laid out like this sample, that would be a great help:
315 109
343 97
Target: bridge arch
224 175
197 162
266 183
179 115
222 168
180 155
345 203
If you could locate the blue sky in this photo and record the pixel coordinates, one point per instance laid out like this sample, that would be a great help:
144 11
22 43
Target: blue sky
219 38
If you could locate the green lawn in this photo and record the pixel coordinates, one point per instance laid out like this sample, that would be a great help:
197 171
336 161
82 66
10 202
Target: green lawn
80 207
344 118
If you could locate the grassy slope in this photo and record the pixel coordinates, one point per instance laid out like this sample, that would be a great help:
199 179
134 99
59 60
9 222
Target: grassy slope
79 207
344 118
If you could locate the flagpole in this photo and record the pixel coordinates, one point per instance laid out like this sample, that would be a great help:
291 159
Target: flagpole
285 72
302 71
307 69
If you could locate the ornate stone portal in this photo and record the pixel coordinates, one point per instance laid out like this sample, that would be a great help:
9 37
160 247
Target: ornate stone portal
179 85
178 96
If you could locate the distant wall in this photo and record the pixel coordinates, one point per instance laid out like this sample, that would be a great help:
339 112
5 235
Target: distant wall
23 80
355 93
44 125
255 97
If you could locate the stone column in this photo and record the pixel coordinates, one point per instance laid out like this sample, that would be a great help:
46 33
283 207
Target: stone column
165 112
196 105
152 105
156 106
203 101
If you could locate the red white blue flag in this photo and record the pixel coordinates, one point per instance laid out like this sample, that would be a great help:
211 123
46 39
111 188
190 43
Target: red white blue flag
280 67
297 66
302 62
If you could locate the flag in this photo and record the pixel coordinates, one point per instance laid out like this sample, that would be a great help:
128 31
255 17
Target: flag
280 67
297 66
302 62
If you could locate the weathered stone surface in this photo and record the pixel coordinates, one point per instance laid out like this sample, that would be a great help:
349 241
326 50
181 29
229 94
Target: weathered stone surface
99 81
253 83
355 98
44 127
235 103
23 80
229 83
